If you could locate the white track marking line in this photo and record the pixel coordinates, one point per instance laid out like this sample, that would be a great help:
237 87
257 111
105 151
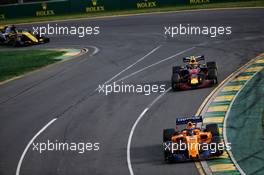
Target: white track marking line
96 50
129 141
139 60
154 64
148 107
135 124
53 120
134 127
152 51
29 144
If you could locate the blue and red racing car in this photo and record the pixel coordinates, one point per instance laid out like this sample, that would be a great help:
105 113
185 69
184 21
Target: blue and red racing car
194 74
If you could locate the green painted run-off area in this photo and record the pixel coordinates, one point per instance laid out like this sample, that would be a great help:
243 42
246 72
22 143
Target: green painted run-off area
244 126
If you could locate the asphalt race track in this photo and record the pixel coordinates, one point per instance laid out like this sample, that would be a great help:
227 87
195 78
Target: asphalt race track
67 91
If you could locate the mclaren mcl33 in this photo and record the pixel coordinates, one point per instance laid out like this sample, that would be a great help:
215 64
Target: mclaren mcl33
192 143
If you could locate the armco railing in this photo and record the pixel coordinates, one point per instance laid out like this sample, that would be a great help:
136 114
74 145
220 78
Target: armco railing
60 7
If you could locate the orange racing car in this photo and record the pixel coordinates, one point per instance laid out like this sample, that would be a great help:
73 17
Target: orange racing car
192 143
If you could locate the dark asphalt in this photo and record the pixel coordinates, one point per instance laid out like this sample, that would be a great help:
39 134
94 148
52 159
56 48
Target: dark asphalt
67 91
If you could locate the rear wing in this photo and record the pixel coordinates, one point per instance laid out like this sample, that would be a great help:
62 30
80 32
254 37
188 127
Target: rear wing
193 119
198 58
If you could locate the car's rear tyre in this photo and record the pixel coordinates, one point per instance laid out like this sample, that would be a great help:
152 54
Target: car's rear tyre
211 64
167 134
175 82
216 139
176 69
37 36
10 41
46 40
212 75
213 128
18 43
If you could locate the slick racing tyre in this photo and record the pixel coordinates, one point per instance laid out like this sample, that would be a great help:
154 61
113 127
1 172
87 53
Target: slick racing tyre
212 75
46 40
213 128
18 43
211 65
216 139
176 69
167 134
175 82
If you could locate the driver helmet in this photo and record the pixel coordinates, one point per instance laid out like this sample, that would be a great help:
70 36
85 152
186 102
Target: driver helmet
10 29
193 61
13 28
190 125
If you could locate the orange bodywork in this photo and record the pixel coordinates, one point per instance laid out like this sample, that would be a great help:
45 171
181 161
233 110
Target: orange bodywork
192 140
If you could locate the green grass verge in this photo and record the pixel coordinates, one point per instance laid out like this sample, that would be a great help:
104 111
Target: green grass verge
257 3
14 63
